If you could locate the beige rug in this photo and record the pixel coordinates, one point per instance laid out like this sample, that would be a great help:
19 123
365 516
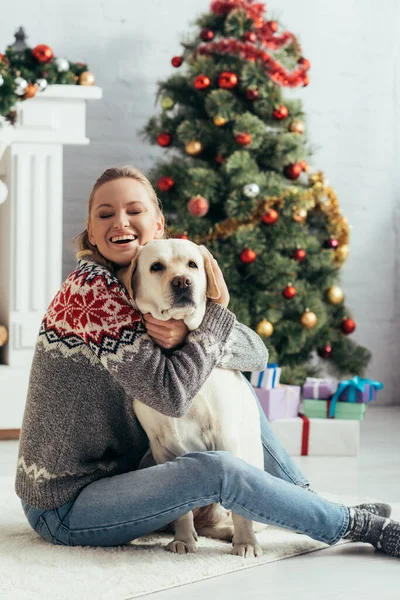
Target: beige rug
31 568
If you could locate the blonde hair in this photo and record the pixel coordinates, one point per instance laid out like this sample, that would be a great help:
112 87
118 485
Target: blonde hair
84 246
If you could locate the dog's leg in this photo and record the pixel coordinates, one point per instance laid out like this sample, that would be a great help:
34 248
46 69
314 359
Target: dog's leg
244 541
185 535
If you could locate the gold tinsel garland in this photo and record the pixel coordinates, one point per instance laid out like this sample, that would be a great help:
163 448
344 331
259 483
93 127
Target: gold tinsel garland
318 197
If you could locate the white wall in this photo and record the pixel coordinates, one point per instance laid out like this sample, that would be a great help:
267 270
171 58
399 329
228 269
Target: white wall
352 121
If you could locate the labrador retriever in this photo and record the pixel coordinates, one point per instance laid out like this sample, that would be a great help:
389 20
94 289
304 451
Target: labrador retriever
172 279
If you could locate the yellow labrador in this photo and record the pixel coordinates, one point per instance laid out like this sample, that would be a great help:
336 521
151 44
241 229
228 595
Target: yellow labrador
172 279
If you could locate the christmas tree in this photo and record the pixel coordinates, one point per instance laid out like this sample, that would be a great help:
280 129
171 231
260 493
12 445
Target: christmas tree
235 178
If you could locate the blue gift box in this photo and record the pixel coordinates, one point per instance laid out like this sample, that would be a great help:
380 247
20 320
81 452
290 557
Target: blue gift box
268 378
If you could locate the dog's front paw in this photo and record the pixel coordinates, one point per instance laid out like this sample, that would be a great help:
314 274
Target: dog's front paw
246 549
182 547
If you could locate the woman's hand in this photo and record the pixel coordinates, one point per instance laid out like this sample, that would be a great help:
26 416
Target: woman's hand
167 334
223 297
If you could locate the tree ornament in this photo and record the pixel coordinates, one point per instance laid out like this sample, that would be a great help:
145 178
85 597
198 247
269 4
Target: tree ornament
281 112
1 56
87 78
21 85
42 53
165 183
182 236
164 139
207 35
62 65
30 91
252 94
347 325
289 292
1 80
248 255
270 216
304 165
273 25
193 148
342 253
41 84
325 352
331 244
201 82
3 335
167 103
300 215
244 139
308 319
177 61
251 190
293 171
219 159
198 206
250 36
299 254
265 328
227 80
220 121
334 294
304 62
306 81
296 126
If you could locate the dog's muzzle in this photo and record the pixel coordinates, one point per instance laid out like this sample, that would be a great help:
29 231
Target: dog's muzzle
182 290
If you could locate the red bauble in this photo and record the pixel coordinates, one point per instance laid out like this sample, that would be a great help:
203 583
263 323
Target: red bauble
270 216
164 139
165 183
182 236
332 244
43 53
304 63
201 82
250 36
273 25
177 61
1 56
248 256
207 35
243 139
227 80
198 206
325 351
289 292
219 159
299 254
252 94
347 326
304 165
281 112
293 171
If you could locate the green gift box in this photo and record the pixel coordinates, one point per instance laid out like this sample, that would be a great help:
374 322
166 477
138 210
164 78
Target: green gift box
344 410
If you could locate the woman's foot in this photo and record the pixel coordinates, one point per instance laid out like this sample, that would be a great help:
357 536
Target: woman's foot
376 508
381 532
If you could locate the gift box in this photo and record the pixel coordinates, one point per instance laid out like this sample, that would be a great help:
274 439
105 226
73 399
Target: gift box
355 390
268 378
318 437
321 409
281 402
318 388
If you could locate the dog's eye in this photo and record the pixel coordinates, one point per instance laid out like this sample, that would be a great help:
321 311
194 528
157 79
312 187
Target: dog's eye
192 264
157 266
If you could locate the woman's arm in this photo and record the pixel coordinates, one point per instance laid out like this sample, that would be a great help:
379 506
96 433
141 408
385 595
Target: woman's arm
244 350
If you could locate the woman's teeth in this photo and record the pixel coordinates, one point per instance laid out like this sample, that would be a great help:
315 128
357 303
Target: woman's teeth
120 239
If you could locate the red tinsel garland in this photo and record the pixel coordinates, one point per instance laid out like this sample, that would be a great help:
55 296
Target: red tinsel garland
253 11
248 51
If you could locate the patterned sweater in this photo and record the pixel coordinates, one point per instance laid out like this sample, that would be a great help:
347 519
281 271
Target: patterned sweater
92 358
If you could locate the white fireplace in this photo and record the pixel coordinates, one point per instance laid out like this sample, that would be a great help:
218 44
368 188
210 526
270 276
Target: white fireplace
31 155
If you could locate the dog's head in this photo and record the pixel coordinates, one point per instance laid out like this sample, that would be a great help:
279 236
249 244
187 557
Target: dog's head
172 279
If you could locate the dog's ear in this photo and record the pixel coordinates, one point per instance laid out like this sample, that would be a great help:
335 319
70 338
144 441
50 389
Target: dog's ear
129 271
212 286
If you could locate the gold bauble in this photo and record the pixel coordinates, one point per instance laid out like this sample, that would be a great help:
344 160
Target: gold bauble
308 319
87 78
193 148
265 328
300 215
167 103
220 121
3 335
334 294
296 126
342 253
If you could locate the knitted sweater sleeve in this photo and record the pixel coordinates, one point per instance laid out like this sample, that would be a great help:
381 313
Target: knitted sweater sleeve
102 316
244 350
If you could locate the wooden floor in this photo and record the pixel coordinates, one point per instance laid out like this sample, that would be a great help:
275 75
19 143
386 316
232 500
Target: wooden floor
346 573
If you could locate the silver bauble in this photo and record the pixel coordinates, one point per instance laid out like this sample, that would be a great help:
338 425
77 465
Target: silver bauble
21 84
42 84
62 65
251 190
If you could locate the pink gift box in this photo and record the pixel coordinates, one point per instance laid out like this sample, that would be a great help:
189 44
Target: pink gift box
281 402
320 389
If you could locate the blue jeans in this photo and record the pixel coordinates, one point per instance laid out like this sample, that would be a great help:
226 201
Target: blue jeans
116 510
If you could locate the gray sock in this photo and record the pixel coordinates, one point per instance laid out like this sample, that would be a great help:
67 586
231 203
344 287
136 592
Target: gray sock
376 508
381 532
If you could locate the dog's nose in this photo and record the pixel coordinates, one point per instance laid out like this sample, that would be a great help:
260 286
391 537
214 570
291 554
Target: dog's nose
181 281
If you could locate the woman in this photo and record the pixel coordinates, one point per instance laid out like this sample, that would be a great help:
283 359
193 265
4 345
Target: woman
81 445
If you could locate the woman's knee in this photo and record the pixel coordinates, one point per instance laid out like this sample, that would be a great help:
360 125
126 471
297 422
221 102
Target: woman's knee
220 462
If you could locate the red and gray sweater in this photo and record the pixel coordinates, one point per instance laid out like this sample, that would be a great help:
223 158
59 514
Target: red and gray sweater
92 358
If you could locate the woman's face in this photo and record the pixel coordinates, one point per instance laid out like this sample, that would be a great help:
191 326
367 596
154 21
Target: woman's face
122 217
